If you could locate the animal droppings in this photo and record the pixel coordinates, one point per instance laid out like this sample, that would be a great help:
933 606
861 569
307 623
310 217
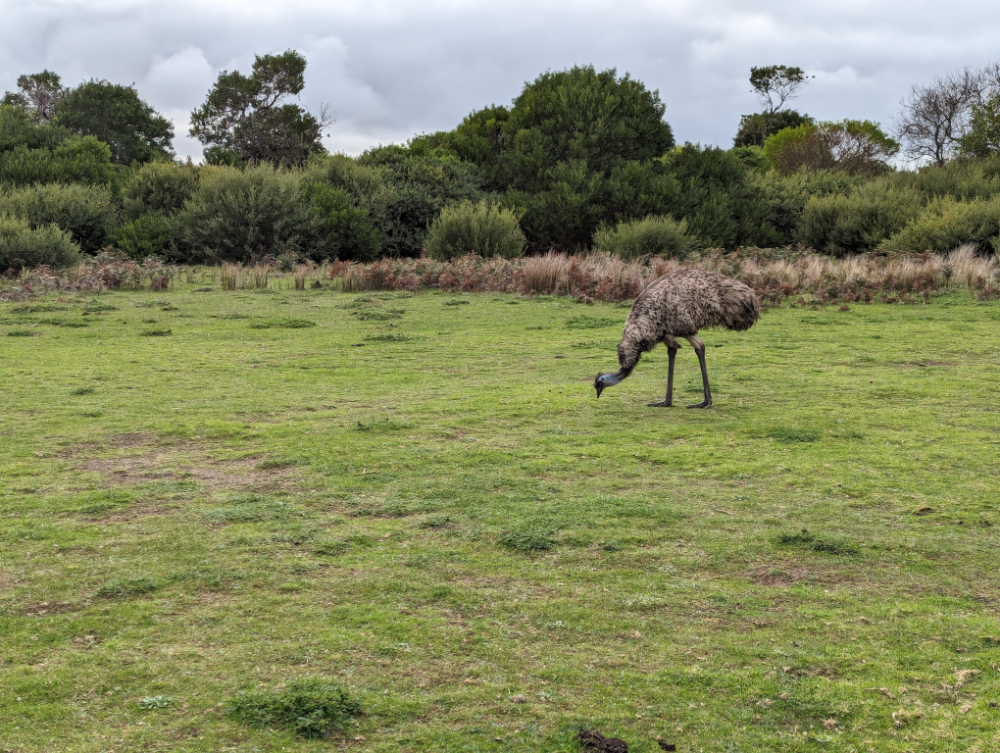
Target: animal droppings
593 741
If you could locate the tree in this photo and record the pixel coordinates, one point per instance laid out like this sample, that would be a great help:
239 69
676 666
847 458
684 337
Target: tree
777 84
982 139
855 147
859 147
935 117
245 119
755 128
569 137
39 95
117 116
581 115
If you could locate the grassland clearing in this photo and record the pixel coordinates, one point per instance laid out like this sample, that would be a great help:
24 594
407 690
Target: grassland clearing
423 503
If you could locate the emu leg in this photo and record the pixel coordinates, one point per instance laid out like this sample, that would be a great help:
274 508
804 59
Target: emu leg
699 348
668 401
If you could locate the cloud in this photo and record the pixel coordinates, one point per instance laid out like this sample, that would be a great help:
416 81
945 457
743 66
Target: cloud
395 68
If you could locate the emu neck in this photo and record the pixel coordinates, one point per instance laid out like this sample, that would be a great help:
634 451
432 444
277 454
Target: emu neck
610 380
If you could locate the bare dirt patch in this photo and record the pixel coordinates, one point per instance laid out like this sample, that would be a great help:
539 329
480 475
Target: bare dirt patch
767 575
137 459
42 608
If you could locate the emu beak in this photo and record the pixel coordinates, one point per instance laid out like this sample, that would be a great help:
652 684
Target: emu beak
599 388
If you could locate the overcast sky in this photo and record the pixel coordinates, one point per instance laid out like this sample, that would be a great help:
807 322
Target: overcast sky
390 69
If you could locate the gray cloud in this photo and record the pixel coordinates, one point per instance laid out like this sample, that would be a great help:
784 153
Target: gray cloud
395 68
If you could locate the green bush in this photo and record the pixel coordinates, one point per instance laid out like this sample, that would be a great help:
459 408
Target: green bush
652 236
946 223
75 160
158 187
480 228
413 191
148 235
719 199
84 159
87 213
310 707
19 128
237 215
342 230
840 225
22 166
24 246
962 179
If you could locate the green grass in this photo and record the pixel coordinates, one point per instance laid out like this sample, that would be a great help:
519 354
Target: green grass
446 533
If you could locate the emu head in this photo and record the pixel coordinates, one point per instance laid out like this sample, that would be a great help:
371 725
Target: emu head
605 380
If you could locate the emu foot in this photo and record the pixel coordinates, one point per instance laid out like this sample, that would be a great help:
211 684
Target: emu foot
661 404
703 404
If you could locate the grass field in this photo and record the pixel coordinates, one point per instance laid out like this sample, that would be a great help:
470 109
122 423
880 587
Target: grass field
419 498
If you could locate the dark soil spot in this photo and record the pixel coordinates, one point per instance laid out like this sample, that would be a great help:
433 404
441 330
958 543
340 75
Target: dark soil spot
593 741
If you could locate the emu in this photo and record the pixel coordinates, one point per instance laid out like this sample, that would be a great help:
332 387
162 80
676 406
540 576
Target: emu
678 305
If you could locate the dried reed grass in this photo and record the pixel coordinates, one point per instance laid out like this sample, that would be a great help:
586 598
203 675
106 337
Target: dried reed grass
106 271
775 274
238 277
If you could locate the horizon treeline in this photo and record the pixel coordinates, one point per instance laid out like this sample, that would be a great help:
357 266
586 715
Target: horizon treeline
580 160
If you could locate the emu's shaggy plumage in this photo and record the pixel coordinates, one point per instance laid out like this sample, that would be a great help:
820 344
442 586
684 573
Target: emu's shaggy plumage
677 305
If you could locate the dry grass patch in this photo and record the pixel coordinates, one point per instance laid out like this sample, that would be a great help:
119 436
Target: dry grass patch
188 461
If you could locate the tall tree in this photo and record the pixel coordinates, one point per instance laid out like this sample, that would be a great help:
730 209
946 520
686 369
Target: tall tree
246 119
774 85
583 115
935 117
117 116
39 94
577 143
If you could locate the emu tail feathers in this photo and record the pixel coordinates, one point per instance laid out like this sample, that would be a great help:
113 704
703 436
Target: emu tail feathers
741 309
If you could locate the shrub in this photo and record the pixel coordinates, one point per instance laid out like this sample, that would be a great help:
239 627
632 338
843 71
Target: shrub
24 246
87 213
343 231
310 707
413 194
947 223
653 236
158 187
84 159
239 215
481 228
799 147
75 160
148 235
839 225
718 199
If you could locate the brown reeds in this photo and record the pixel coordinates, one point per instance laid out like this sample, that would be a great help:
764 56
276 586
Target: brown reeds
239 277
104 272
774 274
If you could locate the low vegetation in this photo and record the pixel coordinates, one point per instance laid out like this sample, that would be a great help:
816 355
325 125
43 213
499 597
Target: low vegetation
416 529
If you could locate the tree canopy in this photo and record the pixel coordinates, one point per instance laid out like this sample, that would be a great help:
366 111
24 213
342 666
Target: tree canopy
39 94
247 120
115 114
